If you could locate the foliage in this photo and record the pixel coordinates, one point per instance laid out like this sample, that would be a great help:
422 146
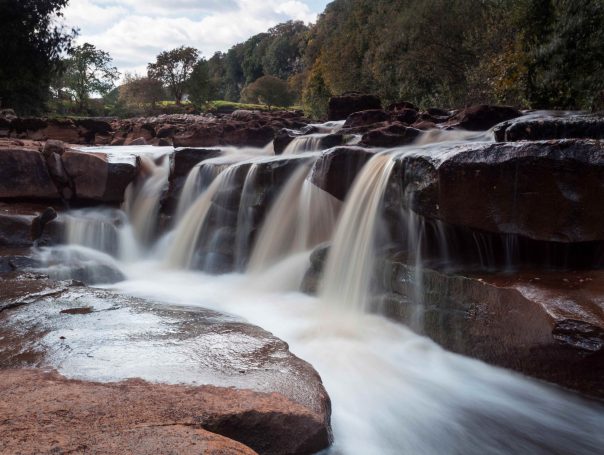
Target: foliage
200 86
31 43
141 92
174 68
88 71
268 90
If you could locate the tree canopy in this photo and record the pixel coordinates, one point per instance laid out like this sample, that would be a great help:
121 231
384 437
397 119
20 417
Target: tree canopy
174 68
31 44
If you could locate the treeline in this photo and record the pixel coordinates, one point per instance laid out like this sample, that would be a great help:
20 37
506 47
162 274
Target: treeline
529 53
446 53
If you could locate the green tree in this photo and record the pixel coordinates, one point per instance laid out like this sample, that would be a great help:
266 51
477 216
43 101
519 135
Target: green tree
201 86
174 68
268 90
141 92
316 94
31 44
88 71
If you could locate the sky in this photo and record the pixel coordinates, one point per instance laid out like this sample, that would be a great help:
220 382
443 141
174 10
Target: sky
135 31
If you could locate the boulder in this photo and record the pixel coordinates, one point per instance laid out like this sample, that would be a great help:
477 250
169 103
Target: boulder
538 127
23 223
340 107
393 135
533 322
24 175
368 117
337 169
407 116
401 105
99 177
283 139
53 146
540 190
482 117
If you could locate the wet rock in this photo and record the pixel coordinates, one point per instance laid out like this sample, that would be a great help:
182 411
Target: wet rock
282 139
138 141
273 402
336 170
407 116
39 222
549 127
482 117
401 105
393 135
232 133
181 163
174 419
533 322
97 176
312 278
368 117
539 190
23 174
53 146
340 107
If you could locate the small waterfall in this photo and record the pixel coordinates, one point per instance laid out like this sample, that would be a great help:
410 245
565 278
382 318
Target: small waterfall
95 229
186 236
306 143
302 217
350 264
144 196
198 180
245 217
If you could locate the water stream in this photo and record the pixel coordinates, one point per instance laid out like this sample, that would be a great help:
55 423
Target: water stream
392 391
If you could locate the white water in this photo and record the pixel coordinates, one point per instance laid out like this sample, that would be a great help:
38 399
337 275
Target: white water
392 391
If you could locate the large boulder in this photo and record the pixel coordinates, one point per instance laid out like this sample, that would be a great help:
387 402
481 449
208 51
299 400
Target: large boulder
99 177
369 117
482 117
536 127
392 135
23 173
340 107
541 190
548 325
336 170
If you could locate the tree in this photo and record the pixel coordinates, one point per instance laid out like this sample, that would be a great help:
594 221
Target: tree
201 87
31 43
140 91
88 71
268 90
174 68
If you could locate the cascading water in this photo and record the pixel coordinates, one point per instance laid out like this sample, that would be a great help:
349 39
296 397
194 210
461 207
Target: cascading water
143 198
302 217
392 390
306 143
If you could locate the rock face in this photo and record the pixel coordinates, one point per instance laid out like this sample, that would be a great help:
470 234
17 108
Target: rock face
336 170
533 322
540 190
482 117
274 402
340 107
97 177
536 127
393 135
139 418
23 174
181 163
366 118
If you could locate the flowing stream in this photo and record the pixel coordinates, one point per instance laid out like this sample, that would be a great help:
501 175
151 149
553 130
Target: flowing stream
392 391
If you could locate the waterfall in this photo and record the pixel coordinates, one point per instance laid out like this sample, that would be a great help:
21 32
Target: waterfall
306 143
186 236
144 196
350 264
95 229
302 217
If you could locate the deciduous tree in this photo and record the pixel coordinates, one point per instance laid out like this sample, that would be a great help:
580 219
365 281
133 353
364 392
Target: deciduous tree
174 68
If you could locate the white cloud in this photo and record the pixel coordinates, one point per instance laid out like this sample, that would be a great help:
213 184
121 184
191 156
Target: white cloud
135 31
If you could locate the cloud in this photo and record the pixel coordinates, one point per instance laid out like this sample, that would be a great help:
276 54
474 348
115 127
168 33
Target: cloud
135 31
